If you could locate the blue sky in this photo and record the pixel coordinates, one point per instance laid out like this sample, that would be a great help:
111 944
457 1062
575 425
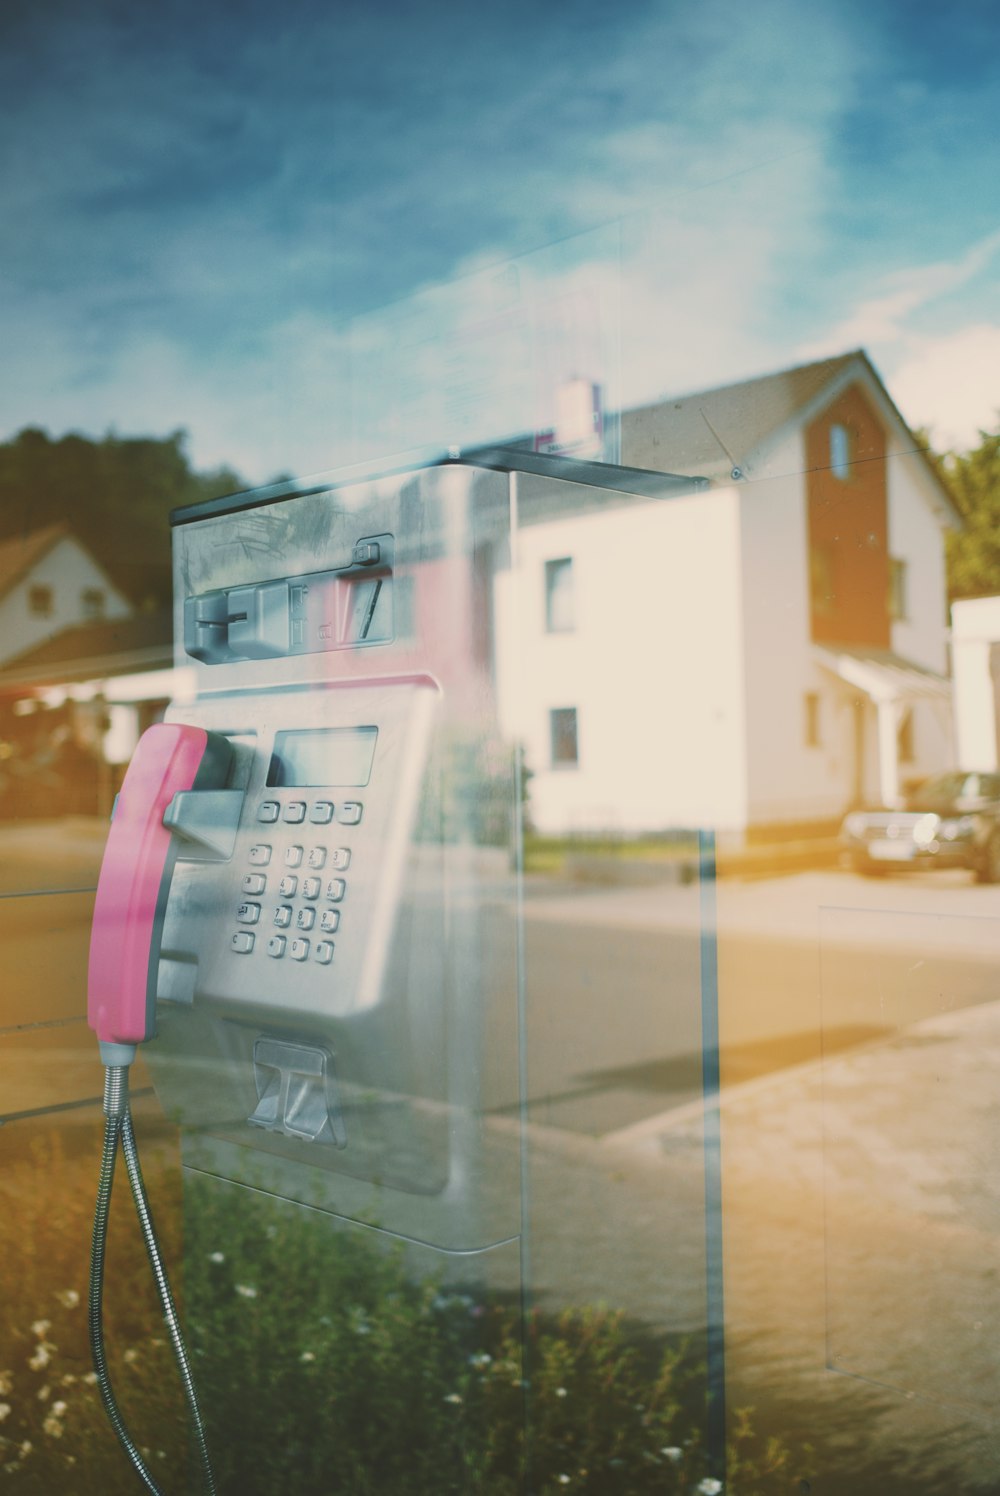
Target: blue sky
199 202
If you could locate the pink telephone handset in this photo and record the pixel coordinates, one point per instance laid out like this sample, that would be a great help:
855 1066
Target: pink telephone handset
135 880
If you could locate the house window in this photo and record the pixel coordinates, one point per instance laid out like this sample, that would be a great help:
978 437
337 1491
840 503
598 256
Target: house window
559 617
92 602
904 739
40 601
840 451
897 590
812 720
563 737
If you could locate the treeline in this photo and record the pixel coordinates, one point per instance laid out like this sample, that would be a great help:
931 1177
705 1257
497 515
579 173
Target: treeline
115 495
973 553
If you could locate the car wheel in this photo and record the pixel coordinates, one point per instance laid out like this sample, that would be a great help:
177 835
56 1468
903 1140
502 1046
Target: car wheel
988 870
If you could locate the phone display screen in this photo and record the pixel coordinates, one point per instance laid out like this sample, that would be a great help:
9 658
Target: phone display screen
323 757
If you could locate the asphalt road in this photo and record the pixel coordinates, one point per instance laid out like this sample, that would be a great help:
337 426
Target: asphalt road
808 966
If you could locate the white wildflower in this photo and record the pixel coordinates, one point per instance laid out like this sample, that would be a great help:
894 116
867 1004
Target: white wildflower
561 1392
41 1358
563 1480
5 1411
25 1449
43 1394
453 1397
709 1486
131 1356
6 1382
246 1290
69 1298
53 1427
69 1380
90 1377
41 1327
673 1453
216 1256
58 1409
307 1356
481 1361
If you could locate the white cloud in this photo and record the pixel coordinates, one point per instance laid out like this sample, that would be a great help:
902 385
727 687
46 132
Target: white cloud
951 384
887 317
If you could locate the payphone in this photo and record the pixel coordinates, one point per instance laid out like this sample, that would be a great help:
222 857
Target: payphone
335 970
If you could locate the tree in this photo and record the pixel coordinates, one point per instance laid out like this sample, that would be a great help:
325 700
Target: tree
973 554
115 495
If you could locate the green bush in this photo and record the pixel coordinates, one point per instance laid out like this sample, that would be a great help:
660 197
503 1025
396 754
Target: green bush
324 1364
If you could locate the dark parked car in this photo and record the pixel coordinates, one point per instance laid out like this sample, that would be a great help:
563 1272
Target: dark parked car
951 820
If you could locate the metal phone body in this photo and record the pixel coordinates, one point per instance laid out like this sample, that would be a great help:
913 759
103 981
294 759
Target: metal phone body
337 990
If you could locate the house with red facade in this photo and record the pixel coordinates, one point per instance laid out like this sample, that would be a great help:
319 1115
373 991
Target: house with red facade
777 639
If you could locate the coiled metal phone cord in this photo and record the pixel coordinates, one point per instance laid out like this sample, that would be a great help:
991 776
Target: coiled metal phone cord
118 1129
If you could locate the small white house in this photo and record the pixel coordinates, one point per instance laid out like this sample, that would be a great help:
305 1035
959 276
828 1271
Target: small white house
50 582
766 652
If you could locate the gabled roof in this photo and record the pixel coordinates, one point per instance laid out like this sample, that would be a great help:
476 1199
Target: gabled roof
86 651
21 552
721 431
726 424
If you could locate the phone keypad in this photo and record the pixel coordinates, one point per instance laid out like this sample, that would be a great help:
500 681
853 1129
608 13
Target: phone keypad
303 903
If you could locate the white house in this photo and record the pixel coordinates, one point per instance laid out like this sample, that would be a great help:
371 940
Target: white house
765 652
50 582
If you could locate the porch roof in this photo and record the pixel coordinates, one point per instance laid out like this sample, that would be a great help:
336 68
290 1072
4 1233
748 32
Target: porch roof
883 675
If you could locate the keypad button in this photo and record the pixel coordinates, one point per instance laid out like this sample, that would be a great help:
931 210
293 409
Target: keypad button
276 946
254 883
248 914
334 890
300 950
260 855
340 858
305 919
311 887
293 856
324 952
349 813
329 920
321 812
295 810
288 885
283 916
317 857
268 810
242 942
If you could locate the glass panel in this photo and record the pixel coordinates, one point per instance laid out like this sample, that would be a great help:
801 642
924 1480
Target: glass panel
593 1090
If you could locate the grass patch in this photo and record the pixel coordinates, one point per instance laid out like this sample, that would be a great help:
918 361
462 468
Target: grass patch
323 1364
549 855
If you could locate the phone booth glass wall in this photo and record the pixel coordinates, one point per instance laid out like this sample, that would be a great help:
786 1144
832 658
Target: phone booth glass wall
403 1063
